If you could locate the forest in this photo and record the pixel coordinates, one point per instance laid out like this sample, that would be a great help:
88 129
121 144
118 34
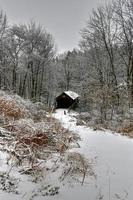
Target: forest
100 70
85 152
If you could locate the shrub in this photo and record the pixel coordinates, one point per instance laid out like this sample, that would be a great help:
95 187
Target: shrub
10 110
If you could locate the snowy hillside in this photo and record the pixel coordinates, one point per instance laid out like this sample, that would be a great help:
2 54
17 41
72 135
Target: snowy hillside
41 158
32 149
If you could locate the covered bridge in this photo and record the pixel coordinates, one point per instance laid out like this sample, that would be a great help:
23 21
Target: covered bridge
67 99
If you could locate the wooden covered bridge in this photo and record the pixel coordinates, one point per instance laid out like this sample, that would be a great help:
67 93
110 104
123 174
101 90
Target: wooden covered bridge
67 99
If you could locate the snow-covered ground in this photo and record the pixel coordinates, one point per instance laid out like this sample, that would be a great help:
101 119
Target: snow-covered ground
113 162
109 154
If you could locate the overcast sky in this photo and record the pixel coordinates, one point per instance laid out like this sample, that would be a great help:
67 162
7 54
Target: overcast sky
62 18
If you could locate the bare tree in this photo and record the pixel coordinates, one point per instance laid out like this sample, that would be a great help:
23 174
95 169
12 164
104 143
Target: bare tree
4 82
99 37
124 19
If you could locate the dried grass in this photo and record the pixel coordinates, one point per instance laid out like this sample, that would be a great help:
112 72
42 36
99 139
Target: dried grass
34 141
10 110
77 166
30 137
126 128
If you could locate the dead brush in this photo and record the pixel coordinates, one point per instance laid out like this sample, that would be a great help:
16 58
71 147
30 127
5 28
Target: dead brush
76 166
10 110
33 143
126 128
63 137
28 148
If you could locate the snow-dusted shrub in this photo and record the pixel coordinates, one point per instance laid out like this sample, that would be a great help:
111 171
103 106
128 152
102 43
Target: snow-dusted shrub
23 103
126 128
33 141
29 142
10 109
22 126
77 167
19 100
12 106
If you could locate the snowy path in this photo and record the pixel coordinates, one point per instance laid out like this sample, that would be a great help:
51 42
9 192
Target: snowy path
113 156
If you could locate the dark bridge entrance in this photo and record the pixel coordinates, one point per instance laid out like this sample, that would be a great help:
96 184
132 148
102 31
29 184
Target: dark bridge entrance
66 99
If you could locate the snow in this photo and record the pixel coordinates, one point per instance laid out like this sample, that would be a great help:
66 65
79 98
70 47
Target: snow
111 158
112 155
72 94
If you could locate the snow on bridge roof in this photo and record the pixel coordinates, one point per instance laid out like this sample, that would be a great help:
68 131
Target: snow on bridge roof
72 94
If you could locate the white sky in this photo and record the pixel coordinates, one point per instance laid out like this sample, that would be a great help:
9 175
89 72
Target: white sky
62 18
